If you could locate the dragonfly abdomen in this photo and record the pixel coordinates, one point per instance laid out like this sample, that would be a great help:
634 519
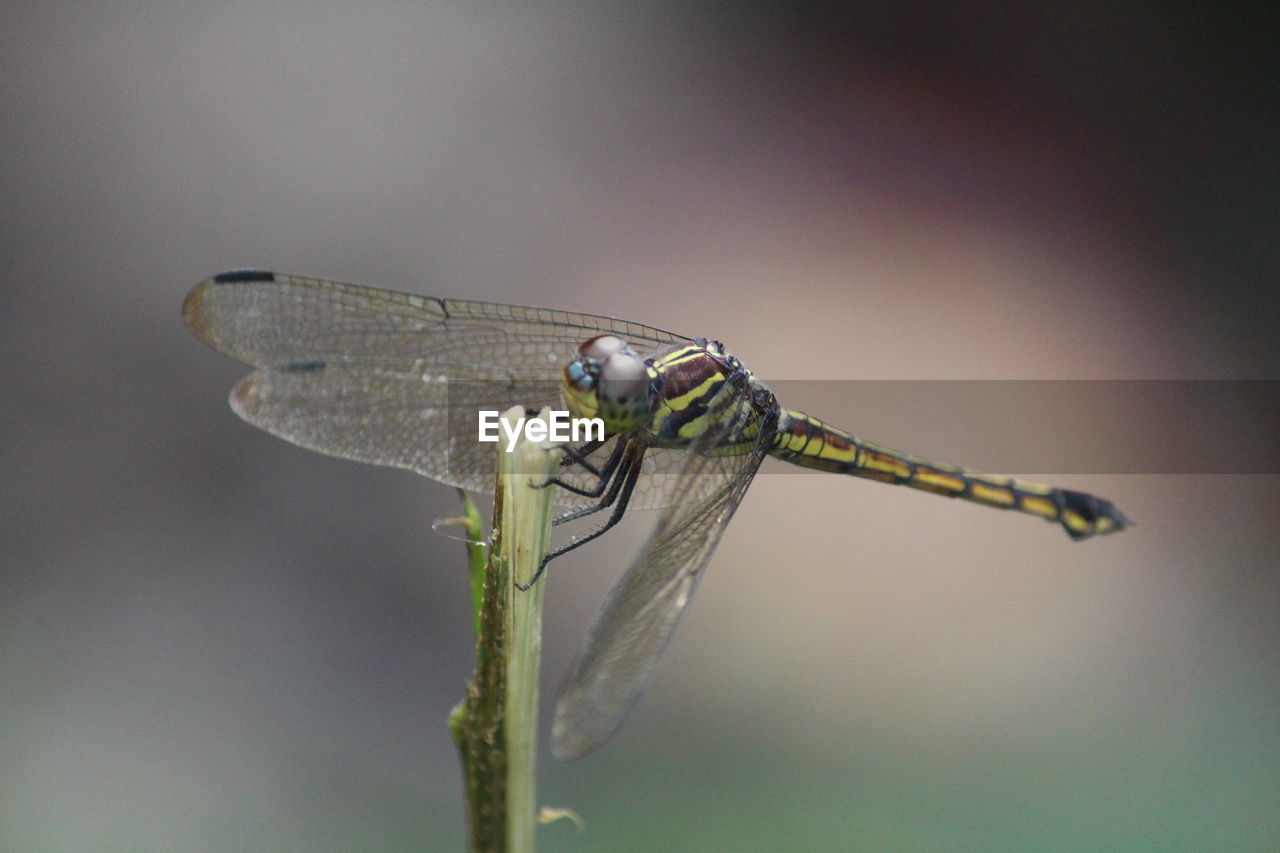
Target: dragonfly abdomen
806 441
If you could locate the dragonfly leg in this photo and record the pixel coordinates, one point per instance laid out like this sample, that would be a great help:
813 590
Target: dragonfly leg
625 483
603 476
578 455
615 486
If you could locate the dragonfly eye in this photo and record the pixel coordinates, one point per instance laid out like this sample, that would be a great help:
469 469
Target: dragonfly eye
601 347
623 377
578 376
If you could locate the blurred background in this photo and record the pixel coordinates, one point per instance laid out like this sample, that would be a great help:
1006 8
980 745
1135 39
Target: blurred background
211 640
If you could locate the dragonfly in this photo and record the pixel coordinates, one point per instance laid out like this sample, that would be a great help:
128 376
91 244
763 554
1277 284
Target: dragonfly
396 379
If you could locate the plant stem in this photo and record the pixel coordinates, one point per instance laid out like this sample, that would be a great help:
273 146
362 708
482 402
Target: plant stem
477 552
496 725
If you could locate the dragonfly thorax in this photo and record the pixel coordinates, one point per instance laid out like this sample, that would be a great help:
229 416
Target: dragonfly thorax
607 380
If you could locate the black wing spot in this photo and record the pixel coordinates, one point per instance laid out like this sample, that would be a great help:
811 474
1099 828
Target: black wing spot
303 367
242 276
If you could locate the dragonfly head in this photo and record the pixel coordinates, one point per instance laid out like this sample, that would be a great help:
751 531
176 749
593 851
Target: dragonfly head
607 380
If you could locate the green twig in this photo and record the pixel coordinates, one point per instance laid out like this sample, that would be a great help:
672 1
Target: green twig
473 529
496 725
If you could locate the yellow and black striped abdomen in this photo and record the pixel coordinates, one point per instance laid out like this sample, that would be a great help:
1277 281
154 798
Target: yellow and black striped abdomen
808 442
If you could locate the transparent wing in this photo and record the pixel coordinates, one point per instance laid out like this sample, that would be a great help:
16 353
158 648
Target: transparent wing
373 414
394 378
639 614
273 321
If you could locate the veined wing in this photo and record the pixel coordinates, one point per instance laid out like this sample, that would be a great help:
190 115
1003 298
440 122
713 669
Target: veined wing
641 611
381 416
394 378
271 320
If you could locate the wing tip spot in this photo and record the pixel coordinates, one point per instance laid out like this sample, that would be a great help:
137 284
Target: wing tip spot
242 276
